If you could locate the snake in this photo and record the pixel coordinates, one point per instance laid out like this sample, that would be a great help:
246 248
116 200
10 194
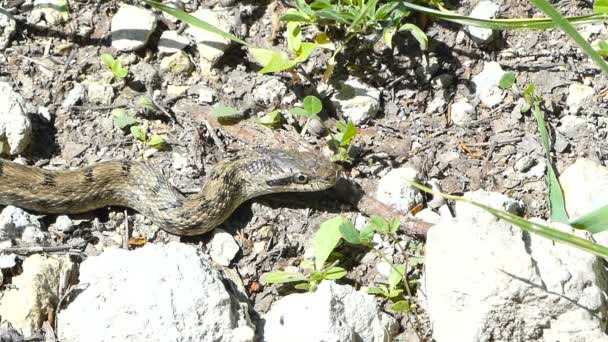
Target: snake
145 189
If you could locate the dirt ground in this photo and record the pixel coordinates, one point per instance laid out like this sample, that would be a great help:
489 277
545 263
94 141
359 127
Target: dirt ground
45 63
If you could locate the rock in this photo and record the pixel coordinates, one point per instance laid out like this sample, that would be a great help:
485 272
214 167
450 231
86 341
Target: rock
211 46
463 113
393 189
485 9
35 292
572 126
205 94
585 187
428 67
428 215
177 63
486 84
357 101
131 27
442 81
63 224
50 12
270 92
508 285
578 95
524 164
332 313
223 247
7 261
9 334
15 125
172 42
155 293
438 104
145 76
45 113
15 223
8 27
100 92
75 95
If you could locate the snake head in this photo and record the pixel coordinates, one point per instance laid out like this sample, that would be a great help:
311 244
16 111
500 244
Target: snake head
291 171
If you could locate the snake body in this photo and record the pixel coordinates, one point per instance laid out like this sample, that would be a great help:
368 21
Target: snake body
144 188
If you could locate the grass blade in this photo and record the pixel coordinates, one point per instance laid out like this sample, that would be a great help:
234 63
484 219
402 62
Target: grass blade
593 222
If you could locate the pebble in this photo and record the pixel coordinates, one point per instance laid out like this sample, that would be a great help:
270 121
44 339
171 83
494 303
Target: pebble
132 27
177 63
100 92
524 164
8 27
485 9
74 96
578 95
393 189
486 84
357 101
223 247
572 126
270 92
210 46
15 124
172 42
49 12
463 113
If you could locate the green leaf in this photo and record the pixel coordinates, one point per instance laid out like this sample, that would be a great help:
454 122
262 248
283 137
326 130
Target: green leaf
367 233
107 59
349 131
221 111
394 293
280 277
331 15
300 112
294 17
593 222
602 48
507 80
600 6
194 21
123 119
326 239
145 104
118 70
379 224
316 276
362 13
418 34
388 34
400 306
278 62
307 264
271 119
294 36
303 286
335 273
321 4
139 133
395 277
556 196
385 10
377 291
350 233
156 141
394 225
306 50
312 105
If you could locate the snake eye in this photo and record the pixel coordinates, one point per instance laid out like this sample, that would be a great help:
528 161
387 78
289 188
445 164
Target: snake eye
300 178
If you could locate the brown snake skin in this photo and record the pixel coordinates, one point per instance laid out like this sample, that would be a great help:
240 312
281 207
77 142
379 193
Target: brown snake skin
144 188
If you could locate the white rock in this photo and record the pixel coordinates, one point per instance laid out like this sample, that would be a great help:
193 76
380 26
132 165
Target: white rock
462 113
131 27
270 92
428 215
332 313
54 12
100 92
437 104
205 94
487 280
486 84
8 27
177 63
524 164
172 42
223 247
572 126
585 187
7 261
15 125
35 292
384 269
393 189
485 9
76 94
63 224
15 223
155 293
578 95
211 46
357 101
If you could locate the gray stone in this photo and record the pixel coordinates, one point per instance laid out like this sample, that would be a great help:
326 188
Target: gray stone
507 285
332 313
393 189
524 164
485 9
145 75
49 12
211 46
172 42
177 63
442 81
357 101
270 92
131 27
35 292
463 113
486 84
16 223
15 125
75 95
572 126
578 95
8 27
223 247
155 293
100 92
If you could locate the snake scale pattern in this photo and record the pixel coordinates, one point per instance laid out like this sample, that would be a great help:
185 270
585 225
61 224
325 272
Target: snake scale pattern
144 188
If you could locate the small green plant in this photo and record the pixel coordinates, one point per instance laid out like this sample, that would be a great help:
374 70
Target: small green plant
272 119
324 267
339 142
123 119
113 64
226 113
155 141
